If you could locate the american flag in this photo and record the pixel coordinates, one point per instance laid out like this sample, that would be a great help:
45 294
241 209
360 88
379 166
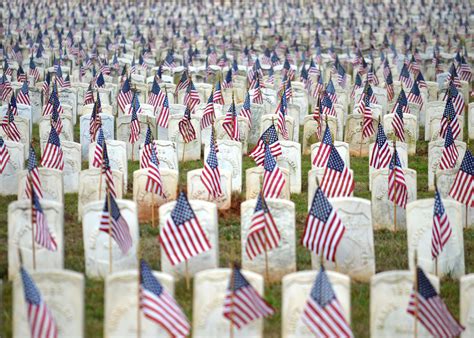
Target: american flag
242 303
428 307
59 75
23 94
169 60
208 115
9 126
323 314
245 110
183 82
465 71
231 123
337 180
456 96
191 98
156 97
186 128
211 176
327 106
159 306
331 91
341 75
89 95
318 88
389 87
227 83
380 157
269 137
135 106
33 71
146 153
257 93
449 118
386 69
100 81
53 103
42 234
218 98
20 75
46 84
324 150
134 123
397 186
462 189
40 318
4 155
402 102
365 110
357 85
107 171
164 116
154 183
323 228
414 95
421 81
313 70
282 111
53 156
263 234
371 76
273 179
124 98
398 124
5 88
413 65
113 223
405 77
453 77
450 151
12 106
95 121
441 227
99 150
182 237
56 121
33 177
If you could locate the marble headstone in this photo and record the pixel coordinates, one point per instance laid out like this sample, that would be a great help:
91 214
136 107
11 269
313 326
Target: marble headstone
353 136
229 158
466 292
342 149
290 159
435 151
411 130
72 165
107 128
9 176
51 183
192 150
254 178
402 154
197 190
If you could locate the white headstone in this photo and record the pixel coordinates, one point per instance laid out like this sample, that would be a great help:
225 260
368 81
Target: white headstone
197 190
192 150
342 149
210 288
411 130
229 158
254 178
382 207
23 125
244 130
123 132
281 260
107 128
466 292
268 119
72 165
402 154
389 297
117 151
63 293
296 289
470 125
51 182
19 237
355 255
120 311
257 112
353 136
435 151
45 128
206 213
312 174
9 176
419 234
97 243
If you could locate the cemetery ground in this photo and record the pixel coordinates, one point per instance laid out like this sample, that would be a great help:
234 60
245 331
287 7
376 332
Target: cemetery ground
390 247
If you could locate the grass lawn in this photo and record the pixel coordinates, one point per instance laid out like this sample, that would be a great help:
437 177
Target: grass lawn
390 248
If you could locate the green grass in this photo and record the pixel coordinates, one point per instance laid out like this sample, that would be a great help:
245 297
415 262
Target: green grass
390 248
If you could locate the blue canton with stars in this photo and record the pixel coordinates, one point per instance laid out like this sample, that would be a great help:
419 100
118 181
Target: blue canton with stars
239 280
182 211
322 292
320 207
335 161
32 294
148 280
467 164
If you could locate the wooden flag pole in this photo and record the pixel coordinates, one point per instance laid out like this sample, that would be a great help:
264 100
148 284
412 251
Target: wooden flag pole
416 297
33 246
110 230
139 314
394 192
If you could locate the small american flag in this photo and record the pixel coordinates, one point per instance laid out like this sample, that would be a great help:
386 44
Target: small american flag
227 83
245 110
324 150
389 87
282 111
40 318
428 307
323 229
397 186
134 123
146 153
20 74
456 96
183 82
462 189
156 97
453 77
9 126
56 121
89 96
357 85
231 123
100 81
164 116
124 98
113 223
5 88
242 303
4 155
405 77
273 179
12 106
208 115
42 234
182 237
318 88
158 305
413 66
211 176
257 93
154 183
450 151
414 95
331 91
53 102
371 76
263 234
186 128
341 75
323 314
218 98
33 176
99 150
107 171
270 138
368 125
465 71
191 98
420 80
53 156
441 227
327 106
46 84
135 105
380 157
337 180
23 94
449 118
398 124
33 71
